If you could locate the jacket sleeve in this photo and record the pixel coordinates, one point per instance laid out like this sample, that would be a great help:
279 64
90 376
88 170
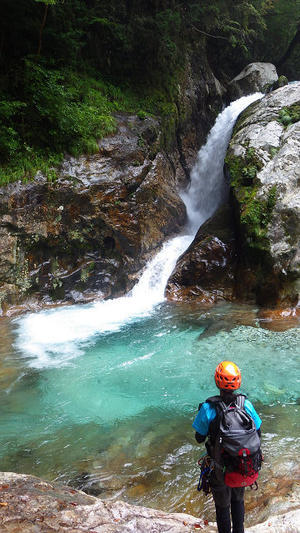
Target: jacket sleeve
200 438
201 423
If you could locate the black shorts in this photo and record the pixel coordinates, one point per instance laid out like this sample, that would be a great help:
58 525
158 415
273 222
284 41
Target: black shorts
222 494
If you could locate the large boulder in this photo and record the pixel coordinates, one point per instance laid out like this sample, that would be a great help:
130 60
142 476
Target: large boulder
263 164
205 271
255 77
88 233
30 505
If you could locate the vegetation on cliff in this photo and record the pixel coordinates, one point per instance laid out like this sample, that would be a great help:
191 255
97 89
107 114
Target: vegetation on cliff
68 66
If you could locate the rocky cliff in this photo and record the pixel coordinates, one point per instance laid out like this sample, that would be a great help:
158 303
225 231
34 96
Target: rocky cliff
263 164
256 258
89 233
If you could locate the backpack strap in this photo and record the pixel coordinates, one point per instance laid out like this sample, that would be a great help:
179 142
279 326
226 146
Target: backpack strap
219 405
216 401
240 400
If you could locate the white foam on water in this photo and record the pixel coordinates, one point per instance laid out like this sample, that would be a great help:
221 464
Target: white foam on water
55 337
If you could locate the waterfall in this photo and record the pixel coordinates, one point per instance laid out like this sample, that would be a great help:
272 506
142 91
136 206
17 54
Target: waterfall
55 336
208 189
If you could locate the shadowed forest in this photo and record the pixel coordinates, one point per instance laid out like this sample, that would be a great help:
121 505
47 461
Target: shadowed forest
68 66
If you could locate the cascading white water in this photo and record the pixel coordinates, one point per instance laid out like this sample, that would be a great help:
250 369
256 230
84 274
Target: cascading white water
56 336
208 189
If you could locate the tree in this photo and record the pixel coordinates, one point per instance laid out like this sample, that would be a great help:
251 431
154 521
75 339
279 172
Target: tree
294 42
46 3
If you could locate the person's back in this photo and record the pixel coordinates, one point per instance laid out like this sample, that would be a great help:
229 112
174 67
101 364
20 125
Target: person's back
206 424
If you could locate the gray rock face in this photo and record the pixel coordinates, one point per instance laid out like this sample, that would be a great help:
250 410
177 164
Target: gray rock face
31 505
88 234
255 77
264 165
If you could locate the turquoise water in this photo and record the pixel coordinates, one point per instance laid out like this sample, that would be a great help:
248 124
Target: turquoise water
116 418
103 396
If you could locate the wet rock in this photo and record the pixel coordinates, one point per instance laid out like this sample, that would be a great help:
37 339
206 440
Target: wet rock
255 77
205 272
282 523
279 319
89 233
29 505
263 163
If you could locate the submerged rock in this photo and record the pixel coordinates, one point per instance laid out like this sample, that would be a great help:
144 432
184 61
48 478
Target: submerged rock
263 163
279 319
255 77
205 272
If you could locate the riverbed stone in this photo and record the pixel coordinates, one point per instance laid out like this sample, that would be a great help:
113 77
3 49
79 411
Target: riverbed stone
29 505
263 164
255 77
205 271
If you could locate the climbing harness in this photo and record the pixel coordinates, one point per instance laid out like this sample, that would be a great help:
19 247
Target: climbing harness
206 466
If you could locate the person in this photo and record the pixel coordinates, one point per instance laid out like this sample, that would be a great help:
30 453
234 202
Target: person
228 379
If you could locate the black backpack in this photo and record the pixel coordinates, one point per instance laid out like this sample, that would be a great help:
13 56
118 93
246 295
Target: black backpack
234 442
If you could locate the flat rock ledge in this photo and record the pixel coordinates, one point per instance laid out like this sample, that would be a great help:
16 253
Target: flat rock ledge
31 505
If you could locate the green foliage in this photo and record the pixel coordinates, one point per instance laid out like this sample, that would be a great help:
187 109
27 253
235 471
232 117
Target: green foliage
233 27
256 214
282 22
67 67
243 170
255 210
282 81
289 115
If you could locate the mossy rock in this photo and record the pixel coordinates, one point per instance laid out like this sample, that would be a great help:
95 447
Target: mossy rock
289 115
255 213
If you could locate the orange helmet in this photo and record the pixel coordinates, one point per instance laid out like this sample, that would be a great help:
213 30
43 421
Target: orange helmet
228 376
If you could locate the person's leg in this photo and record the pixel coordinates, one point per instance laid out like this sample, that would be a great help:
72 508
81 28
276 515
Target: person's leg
223 519
237 510
222 498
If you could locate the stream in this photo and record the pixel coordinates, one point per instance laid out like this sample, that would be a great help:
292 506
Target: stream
102 396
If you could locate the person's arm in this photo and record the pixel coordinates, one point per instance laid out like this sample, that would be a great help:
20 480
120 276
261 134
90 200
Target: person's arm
200 438
201 423
251 411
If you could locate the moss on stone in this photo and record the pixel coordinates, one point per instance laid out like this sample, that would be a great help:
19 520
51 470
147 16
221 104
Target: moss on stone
255 216
86 271
255 213
243 170
282 81
243 117
289 115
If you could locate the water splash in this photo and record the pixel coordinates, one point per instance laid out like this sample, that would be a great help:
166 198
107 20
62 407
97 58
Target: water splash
54 337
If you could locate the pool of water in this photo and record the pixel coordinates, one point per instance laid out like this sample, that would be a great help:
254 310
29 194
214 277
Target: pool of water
103 396
112 412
